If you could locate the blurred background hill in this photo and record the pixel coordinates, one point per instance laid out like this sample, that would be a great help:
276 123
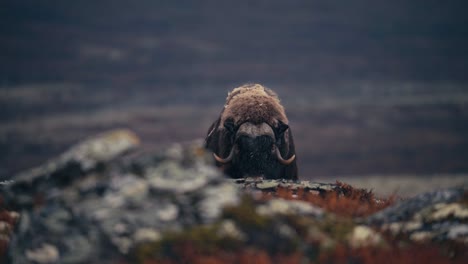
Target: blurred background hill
371 88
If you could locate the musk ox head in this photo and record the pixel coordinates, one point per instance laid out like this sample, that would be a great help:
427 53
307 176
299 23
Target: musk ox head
252 137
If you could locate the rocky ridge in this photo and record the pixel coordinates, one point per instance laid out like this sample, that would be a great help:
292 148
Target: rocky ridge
104 201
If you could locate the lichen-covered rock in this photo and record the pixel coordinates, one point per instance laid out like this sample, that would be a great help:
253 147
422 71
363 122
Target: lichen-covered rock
86 155
438 216
260 184
46 253
406 209
267 185
91 154
118 205
285 207
364 236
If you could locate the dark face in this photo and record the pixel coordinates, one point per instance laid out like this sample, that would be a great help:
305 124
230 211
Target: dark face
256 155
254 150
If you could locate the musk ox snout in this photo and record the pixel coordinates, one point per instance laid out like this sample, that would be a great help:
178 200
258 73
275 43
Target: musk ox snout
255 155
258 148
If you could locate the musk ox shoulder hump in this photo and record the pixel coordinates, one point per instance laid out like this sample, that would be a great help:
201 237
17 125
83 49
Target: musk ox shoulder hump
253 103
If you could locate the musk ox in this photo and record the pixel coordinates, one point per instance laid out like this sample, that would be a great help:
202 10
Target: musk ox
251 137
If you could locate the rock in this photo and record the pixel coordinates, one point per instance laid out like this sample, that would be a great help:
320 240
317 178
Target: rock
72 222
439 216
170 176
406 209
322 187
229 229
146 235
266 185
421 236
458 232
444 211
285 207
214 198
258 183
47 253
86 155
363 236
79 160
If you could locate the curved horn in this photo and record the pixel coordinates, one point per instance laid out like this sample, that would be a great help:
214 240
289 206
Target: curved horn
226 160
282 160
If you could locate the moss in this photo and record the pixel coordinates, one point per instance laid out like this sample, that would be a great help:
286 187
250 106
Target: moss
200 240
337 229
245 215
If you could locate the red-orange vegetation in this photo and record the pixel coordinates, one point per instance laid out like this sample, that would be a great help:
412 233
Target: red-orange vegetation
189 253
344 200
416 253
6 217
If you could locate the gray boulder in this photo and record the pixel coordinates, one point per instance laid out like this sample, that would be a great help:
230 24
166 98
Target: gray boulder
101 212
434 216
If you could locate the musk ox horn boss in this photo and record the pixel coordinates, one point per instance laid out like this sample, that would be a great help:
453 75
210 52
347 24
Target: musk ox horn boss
251 137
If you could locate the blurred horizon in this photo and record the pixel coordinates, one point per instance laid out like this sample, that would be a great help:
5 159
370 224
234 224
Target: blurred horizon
369 88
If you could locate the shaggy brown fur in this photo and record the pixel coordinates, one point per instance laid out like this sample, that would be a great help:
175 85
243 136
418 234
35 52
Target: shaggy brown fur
253 103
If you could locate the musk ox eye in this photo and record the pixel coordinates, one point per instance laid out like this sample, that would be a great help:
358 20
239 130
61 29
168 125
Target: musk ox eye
282 127
229 125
